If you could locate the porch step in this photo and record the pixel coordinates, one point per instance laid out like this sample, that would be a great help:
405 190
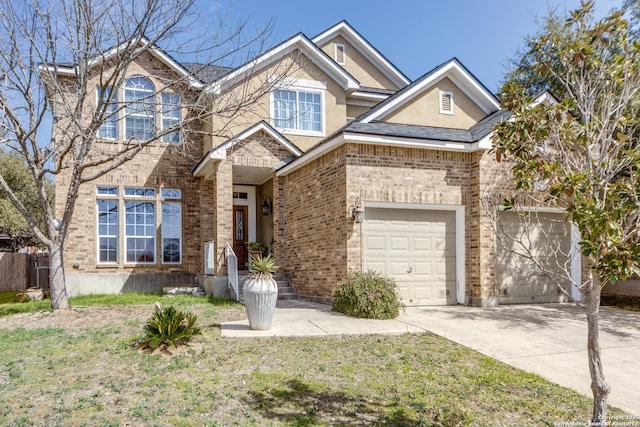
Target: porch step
285 290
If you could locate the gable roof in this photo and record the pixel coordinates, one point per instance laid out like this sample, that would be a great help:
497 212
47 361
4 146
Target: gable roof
452 69
365 48
300 42
220 152
145 45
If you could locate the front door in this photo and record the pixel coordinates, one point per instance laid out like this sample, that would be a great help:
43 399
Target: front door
241 235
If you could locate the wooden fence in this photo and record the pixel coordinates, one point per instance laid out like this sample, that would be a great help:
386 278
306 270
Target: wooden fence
21 271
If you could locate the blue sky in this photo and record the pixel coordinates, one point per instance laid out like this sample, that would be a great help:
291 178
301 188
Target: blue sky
415 35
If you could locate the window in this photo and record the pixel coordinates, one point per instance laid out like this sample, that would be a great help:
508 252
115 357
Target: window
109 128
298 110
141 232
140 108
140 192
171 232
171 227
108 231
108 191
171 116
140 226
446 102
340 54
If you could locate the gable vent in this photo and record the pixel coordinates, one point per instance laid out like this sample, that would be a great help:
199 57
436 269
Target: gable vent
446 102
340 54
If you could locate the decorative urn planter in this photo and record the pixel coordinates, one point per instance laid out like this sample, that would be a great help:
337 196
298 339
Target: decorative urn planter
261 293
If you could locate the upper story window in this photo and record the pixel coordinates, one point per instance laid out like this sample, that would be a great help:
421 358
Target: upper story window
171 116
109 128
299 111
446 102
140 108
340 54
140 113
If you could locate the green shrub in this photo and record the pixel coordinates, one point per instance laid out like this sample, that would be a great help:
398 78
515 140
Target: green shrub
169 327
369 295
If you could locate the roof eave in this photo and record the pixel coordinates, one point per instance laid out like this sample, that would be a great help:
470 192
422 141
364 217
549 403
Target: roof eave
300 41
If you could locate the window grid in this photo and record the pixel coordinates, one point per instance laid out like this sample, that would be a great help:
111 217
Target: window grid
297 110
140 230
107 231
171 232
109 128
140 108
171 116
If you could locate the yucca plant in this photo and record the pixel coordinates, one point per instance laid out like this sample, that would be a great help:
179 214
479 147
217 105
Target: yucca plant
263 266
169 327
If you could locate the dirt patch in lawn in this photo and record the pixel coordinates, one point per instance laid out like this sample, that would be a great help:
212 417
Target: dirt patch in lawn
120 315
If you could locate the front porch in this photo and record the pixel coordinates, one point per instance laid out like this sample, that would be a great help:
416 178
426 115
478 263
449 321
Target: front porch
238 194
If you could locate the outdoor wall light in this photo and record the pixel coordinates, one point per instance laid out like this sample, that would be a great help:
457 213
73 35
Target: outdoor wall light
267 205
57 224
357 212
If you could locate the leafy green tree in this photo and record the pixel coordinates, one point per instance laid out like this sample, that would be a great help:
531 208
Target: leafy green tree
17 175
591 164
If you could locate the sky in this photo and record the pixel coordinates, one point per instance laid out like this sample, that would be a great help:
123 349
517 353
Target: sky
415 35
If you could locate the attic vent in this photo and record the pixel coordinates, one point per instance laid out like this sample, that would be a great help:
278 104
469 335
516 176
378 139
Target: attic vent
340 54
446 102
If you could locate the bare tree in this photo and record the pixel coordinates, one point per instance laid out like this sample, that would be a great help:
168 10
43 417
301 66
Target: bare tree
590 167
55 56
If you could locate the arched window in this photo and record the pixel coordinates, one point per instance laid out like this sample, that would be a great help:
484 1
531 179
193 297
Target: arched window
139 96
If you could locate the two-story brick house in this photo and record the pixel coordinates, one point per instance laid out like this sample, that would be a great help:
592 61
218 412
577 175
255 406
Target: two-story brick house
345 133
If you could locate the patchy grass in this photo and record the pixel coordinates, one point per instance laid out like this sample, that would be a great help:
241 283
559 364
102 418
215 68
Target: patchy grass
8 297
8 305
91 375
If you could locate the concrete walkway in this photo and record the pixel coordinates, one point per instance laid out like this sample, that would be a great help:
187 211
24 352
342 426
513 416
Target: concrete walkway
546 339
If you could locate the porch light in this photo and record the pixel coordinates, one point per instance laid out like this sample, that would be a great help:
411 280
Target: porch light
267 205
357 212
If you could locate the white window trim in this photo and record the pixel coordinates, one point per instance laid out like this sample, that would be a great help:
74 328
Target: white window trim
171 199
97 222
117 117
127 198
162 118
337 48
310 86
445 92
162 231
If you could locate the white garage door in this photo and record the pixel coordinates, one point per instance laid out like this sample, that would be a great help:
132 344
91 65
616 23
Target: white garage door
547 236
415 247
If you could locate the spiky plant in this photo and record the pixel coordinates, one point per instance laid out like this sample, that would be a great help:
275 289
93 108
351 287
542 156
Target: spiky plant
263 266
169 327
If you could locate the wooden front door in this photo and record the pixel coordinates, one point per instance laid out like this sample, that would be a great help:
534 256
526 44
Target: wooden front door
241 235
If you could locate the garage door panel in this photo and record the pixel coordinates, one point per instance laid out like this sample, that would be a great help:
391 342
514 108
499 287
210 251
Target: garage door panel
423 268
398 268
419 241
399 243
376 243
422 243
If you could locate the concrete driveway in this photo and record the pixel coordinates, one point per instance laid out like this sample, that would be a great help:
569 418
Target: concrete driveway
546 339
549 340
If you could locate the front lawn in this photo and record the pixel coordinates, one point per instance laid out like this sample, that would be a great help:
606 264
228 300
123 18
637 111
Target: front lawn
78 368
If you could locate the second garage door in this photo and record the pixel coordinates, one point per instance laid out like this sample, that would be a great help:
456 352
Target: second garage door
415 247
545 236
